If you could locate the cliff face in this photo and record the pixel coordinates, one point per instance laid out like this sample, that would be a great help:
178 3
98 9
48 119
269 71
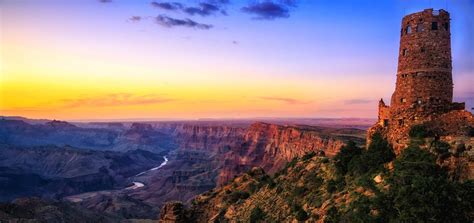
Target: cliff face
208 156
271 146
215 139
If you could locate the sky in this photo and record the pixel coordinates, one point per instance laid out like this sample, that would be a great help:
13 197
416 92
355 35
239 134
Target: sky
141 59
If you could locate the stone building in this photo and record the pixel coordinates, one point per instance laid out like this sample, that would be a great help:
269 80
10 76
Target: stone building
424 88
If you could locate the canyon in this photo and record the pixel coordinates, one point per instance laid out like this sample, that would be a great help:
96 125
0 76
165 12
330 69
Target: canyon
110 158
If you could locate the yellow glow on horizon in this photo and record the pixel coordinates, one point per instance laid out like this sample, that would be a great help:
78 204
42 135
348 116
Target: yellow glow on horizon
44 82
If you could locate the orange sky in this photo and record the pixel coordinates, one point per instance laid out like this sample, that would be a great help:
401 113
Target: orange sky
75 61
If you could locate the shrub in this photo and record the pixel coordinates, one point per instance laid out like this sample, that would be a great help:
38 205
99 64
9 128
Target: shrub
345 155
371 160
313 180
325 160
460 148
308 156
332 215
471 132
441 149
301 215
292 163
257 215
334 185
420 131
421 191
317 201
359 210
331 186
299 191
237 195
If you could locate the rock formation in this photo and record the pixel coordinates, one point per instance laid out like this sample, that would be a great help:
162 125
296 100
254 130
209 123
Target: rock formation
271 146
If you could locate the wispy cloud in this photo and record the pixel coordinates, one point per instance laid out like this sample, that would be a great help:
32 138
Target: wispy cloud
105 1
172 6
291 101
122 99
356 101
172 22
270 10
204 8
135 19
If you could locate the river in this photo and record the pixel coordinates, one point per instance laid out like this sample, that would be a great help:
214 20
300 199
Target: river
137 184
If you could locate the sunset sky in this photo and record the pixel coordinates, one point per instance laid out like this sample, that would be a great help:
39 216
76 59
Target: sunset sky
142 59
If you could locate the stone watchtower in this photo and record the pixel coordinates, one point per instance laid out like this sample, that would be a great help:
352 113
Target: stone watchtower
424 88
424 78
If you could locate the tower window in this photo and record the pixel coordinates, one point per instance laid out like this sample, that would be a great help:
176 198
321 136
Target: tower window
419 101
419 28
434 26
400 122
403 100
408 30
446 26
404 52
423 49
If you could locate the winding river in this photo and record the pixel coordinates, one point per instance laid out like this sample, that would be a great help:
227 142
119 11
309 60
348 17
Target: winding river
137 184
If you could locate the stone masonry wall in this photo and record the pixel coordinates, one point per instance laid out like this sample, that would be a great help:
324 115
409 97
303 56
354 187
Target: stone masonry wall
424 76
424 87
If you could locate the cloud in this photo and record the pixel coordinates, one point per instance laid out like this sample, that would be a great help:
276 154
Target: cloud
357 101
172 22
135 18
269 10
172 6
105 1
291 101
205 8
111 100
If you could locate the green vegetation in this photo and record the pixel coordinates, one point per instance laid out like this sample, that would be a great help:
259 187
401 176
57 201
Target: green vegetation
470 132
299 213
420 132
292 163
334 185
237 195
422 191
356 161
441 149
347 153
332 215
308 156
414 189
257 215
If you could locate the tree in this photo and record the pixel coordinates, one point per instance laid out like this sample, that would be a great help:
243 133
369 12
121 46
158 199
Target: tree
420 132
371 160
257 215
421 191
345 155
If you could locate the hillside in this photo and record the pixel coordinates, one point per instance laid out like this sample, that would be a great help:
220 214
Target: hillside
355 186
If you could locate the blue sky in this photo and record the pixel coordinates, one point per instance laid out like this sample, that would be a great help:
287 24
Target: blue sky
306 58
